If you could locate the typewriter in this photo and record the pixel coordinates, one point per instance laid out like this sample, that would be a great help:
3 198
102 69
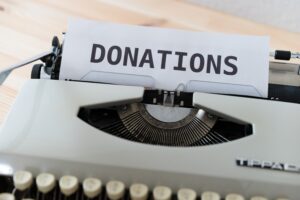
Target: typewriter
83 140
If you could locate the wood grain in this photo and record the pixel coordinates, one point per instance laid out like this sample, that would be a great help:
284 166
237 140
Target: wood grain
27 27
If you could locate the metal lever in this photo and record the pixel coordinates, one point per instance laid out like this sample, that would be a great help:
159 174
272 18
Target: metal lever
42 56
5 73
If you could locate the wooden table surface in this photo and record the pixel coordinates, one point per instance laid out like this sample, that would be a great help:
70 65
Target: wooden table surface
27 27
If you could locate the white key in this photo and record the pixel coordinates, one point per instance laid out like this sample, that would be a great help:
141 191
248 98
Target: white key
68 185
22 180
258 198
115 190
186 194
7 196
234 197
138 191
282 199
92 187
45 182
210 196
162 193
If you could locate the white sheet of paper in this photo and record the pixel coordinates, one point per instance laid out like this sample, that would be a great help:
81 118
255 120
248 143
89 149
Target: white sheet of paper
166 59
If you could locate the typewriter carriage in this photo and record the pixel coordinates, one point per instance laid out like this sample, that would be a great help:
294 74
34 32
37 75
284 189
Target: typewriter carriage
125 121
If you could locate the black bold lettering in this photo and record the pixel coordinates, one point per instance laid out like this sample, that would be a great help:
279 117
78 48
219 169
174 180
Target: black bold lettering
211 63
164 54
110 55
201 62
230 64
180 60
94 51
147 58
128 56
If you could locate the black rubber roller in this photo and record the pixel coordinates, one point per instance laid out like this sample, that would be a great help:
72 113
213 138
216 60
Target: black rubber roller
282 55
55 41
36 71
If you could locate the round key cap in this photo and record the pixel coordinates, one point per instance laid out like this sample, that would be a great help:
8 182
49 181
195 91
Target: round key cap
210 196
138 191
91 187
22 180
68 185
162 193
234 197
7 196
258 198
115 190
45 182
186 194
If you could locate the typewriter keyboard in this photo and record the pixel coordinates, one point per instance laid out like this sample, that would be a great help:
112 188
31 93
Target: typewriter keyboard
23 186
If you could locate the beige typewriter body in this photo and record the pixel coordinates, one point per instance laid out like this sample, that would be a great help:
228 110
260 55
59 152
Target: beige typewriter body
42 133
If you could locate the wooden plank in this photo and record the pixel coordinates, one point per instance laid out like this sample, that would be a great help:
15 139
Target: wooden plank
200 18
106 12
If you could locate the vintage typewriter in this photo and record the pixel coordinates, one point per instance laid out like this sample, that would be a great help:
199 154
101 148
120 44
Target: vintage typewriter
82 140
